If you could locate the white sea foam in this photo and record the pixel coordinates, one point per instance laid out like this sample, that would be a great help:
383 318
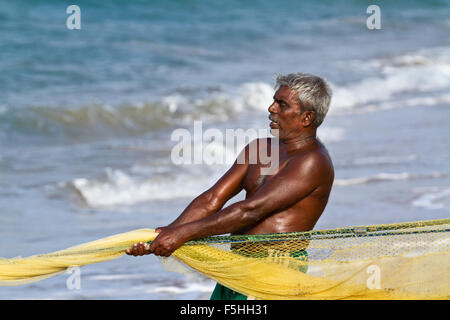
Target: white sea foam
120 188
115 277
254 95
160 181
425 71
384 160
188 287
435 199
396 75
374 178
330 134
385 177
224 101
427 101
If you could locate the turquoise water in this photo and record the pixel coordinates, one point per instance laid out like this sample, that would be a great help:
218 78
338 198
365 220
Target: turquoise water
86 118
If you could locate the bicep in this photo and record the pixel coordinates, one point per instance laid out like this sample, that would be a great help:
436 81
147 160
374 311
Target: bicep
231 183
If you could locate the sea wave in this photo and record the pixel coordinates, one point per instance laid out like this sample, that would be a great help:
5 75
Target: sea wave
376 161
119 188
379 177
415 78
400 81
123 189
383 160
176 109
433 199
190 287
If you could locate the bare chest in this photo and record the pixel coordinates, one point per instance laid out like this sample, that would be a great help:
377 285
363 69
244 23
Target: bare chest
255 177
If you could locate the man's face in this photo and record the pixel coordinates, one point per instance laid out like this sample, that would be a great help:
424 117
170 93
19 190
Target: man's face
286 114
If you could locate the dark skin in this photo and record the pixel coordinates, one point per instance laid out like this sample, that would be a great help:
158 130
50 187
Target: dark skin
291 199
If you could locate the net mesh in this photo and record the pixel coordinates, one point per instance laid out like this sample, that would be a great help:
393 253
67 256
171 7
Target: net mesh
392 261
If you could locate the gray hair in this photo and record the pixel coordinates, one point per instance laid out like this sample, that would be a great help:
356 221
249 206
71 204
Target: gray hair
314 93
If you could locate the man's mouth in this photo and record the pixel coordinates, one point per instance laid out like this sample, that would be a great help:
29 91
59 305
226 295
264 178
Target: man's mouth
273 121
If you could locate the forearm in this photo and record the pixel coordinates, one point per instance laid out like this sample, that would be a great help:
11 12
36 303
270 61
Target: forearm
231 219
228 220
203 206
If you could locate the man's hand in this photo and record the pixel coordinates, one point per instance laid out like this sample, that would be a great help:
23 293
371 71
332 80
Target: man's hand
138 249
168 240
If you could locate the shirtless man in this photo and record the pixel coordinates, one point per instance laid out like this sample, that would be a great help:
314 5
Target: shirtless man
291 199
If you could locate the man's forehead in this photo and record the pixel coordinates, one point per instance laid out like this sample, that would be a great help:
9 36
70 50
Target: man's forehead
284 93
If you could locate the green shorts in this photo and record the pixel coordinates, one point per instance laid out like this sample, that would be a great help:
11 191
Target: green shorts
223 293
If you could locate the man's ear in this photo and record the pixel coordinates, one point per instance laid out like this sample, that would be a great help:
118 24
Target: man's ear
308 118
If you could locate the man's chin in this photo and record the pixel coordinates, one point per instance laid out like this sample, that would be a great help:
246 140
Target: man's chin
275 132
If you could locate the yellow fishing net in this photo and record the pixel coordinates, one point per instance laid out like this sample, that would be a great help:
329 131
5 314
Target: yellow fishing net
392 261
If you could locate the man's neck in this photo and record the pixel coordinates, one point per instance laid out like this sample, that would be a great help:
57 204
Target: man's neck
299 142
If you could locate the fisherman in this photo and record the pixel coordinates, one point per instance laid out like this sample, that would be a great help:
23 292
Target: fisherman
290 198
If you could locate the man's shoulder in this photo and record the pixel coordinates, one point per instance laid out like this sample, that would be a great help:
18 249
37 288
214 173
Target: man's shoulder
316 159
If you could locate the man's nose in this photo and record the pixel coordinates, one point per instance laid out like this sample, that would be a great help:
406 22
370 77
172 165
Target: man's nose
272 108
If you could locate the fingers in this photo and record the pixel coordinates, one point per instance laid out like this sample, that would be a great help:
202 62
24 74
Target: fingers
138 249
158 250
160 246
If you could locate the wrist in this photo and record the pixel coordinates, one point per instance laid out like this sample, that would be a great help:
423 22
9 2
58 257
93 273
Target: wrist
187 231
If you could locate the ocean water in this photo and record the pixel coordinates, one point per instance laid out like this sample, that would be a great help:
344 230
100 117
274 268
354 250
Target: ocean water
86 118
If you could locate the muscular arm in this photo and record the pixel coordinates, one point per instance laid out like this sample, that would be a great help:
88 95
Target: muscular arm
294 182
213 199
204 205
